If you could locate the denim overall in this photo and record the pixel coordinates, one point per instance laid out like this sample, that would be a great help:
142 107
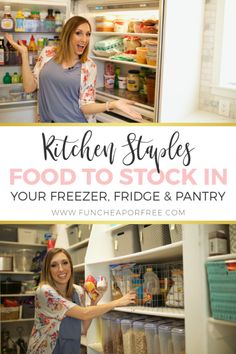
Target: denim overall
68 341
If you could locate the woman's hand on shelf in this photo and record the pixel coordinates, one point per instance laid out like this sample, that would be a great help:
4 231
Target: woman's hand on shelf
21 48
126 106
129 298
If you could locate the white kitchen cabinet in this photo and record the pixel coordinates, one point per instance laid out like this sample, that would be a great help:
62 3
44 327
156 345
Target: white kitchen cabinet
203 334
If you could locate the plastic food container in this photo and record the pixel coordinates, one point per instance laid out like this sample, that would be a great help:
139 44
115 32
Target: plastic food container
178 340
127 335
165 337
152 336
23 260
117 339
109 81
141 53
151 60
120 25
104 24
106 334
122 82
140 344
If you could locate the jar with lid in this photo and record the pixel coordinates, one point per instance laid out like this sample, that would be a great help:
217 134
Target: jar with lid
7 22
151 82
133 80
49 22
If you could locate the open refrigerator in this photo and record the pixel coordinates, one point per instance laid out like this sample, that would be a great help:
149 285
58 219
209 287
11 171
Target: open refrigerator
128 15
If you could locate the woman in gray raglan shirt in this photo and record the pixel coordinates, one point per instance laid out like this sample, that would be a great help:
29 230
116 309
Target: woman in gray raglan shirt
66 78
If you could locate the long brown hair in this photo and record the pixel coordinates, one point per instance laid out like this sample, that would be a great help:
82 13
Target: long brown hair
64 51
46 277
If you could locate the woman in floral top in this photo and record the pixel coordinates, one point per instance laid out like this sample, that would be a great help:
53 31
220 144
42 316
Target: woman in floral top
66 78
60 312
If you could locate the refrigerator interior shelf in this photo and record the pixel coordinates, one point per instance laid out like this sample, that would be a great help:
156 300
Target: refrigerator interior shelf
18 103
41 5
159 311
124 5
146 35
140 100
10 85
123 62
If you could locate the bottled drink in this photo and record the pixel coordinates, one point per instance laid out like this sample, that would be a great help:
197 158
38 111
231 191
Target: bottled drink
2 51
20 22
32 48
117 74
7 21
151 288
15 79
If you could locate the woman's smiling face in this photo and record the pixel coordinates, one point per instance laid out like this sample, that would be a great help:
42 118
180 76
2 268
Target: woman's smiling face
80 38
60 269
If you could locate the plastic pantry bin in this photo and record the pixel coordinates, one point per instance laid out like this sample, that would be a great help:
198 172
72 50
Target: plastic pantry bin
127 334
178 340
140 345
152 336
166 344
23 260
107 344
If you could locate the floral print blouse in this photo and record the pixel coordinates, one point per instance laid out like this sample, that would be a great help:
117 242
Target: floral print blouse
50 309
88 78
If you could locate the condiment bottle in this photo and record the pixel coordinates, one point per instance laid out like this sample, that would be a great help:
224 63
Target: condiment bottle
7 78
15 79
58 21
7 21
11 55
50 21
117 74
32 48
2 51
20 22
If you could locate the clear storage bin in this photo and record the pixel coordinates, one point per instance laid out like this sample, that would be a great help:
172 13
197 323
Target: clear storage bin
107 344
140 344
127 335
178 340
165 336
116 333
23 260
152 336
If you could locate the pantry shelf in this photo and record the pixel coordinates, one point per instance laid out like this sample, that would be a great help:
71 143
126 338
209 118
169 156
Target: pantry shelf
167 252
223 257
21 245
123 62
79 267
17 295
78 245
146 35
160 311
219 322
19 320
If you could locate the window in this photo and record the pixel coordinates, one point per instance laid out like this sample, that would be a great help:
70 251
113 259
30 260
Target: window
225 48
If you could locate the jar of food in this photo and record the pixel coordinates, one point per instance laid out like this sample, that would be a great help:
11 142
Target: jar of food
120 25
109 81
122 82
133 80
141 55
151 80
131 43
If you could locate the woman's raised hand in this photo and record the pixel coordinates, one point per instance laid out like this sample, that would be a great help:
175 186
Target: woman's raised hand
21 48
126 107
129 298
